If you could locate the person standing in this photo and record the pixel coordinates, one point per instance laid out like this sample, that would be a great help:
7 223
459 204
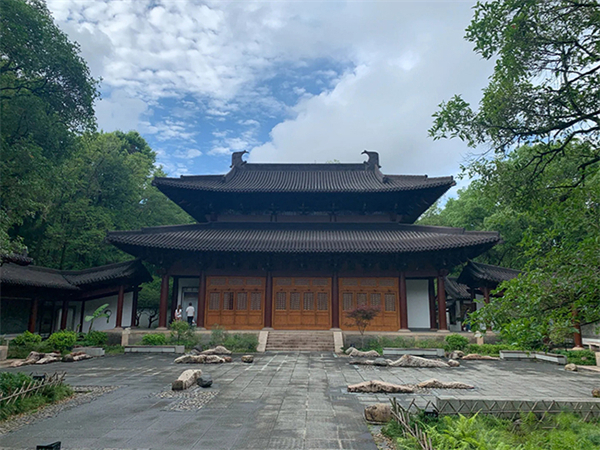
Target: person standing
178 313
189 312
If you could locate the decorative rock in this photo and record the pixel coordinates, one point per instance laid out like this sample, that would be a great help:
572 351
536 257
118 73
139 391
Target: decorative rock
417 361
49 358
436 384
204 381
380 362
453 363
218 350
186 379
214 359
378 413
375 386
477 357
227 359
68 358
456 354
596 393
357 353
190 359
248 359
571 367
81 356
362 362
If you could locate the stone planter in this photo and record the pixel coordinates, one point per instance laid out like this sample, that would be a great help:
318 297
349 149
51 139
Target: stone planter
432 352
516 355
551 357
155 349
92 351
3 352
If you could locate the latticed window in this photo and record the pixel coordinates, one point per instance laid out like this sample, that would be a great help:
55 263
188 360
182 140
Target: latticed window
322 301
368 282
302 282
347 300
320 282
361 299
350 282
213 301
253 281
390 302
309 301
228 301
295 301
218 281
376 300
255 301
386 282
284 282
281 301
242 301
236 281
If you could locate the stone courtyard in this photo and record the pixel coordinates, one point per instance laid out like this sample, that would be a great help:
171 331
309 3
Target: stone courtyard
282 401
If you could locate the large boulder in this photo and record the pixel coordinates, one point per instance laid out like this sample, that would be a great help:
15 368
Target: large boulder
190 359
436 384
381 362
218 350
378 413
456 354
360 354
205 381
375 386
248 359
186 379
214 359
49 358
571 367
478 357
417 361
453 363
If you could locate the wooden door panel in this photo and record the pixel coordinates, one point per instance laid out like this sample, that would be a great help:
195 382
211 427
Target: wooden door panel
379 292
302 303
235 303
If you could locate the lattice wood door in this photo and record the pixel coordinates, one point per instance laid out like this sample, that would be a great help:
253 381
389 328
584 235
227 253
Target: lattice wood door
380 292
302 303
236 303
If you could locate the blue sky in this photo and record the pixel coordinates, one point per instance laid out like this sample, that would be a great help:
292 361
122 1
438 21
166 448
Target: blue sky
286 81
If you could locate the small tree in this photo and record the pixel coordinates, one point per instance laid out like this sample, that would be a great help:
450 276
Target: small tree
361 317
96 315
180 331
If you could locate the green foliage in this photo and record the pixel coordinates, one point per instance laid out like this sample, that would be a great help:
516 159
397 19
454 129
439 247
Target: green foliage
361 316
181 333
581 357
241 343
26 338
217 336
114 350
559 432
10 382
94 339
154 339
97 315
380 342
456 342
62 340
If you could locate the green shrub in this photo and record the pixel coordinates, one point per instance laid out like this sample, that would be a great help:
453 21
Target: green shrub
114 349
95 339
581 357
26 338
241 343
62 340
154 339
456 342
180 331
217 336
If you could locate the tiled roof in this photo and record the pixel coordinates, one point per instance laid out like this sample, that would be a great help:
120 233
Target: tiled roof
477 272
15 258
456 290
327 178
302 238
35 276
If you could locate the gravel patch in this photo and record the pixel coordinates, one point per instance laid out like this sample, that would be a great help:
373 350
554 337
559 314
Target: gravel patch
191 399
82 395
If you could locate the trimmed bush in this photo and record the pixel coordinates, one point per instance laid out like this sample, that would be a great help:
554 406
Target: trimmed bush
154 339
580 357
96 339
456 342
62 340
26 338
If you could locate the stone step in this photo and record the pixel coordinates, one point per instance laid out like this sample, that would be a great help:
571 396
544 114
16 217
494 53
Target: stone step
300 341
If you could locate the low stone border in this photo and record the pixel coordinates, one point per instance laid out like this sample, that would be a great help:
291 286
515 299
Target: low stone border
154 349
518 355
83 394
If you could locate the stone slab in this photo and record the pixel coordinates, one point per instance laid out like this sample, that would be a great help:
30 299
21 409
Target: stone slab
439 352
155 349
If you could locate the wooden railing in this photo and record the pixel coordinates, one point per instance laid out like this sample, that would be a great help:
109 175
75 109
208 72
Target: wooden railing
33 386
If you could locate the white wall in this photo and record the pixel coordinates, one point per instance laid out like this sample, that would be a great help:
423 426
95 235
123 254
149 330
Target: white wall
188 283
417 297
101 323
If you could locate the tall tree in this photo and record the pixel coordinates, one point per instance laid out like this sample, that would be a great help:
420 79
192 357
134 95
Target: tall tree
545 88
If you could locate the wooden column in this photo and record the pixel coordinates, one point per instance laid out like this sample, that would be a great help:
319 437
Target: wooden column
403 302
486 294
443 326
120 301
335 301
577 338
63 315
432 318
174 296
82 316
201 300
269 301
33 315
134 303
164 302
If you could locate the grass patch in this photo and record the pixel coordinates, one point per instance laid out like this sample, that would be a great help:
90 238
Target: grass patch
556 432
581 357
114 350
10 382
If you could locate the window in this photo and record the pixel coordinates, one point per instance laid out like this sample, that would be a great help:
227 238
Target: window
295 301
255 301
348 302
390 302
322 301
376 300
242 301
228 301
214 300
281 301
309 301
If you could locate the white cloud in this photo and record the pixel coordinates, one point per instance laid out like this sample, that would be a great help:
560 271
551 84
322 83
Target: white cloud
120 112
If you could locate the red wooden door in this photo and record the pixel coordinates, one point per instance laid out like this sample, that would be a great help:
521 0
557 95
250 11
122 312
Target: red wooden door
236 303
378 292
302 303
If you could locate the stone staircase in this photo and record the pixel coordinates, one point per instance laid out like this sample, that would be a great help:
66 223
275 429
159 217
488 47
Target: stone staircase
300 341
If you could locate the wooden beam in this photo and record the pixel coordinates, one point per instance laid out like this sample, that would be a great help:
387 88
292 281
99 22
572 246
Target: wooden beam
268 319
63 315
403 302
577 335
443 325
33 315
201 300
432 318
120 301
134 305
82 316
163 305
174 296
